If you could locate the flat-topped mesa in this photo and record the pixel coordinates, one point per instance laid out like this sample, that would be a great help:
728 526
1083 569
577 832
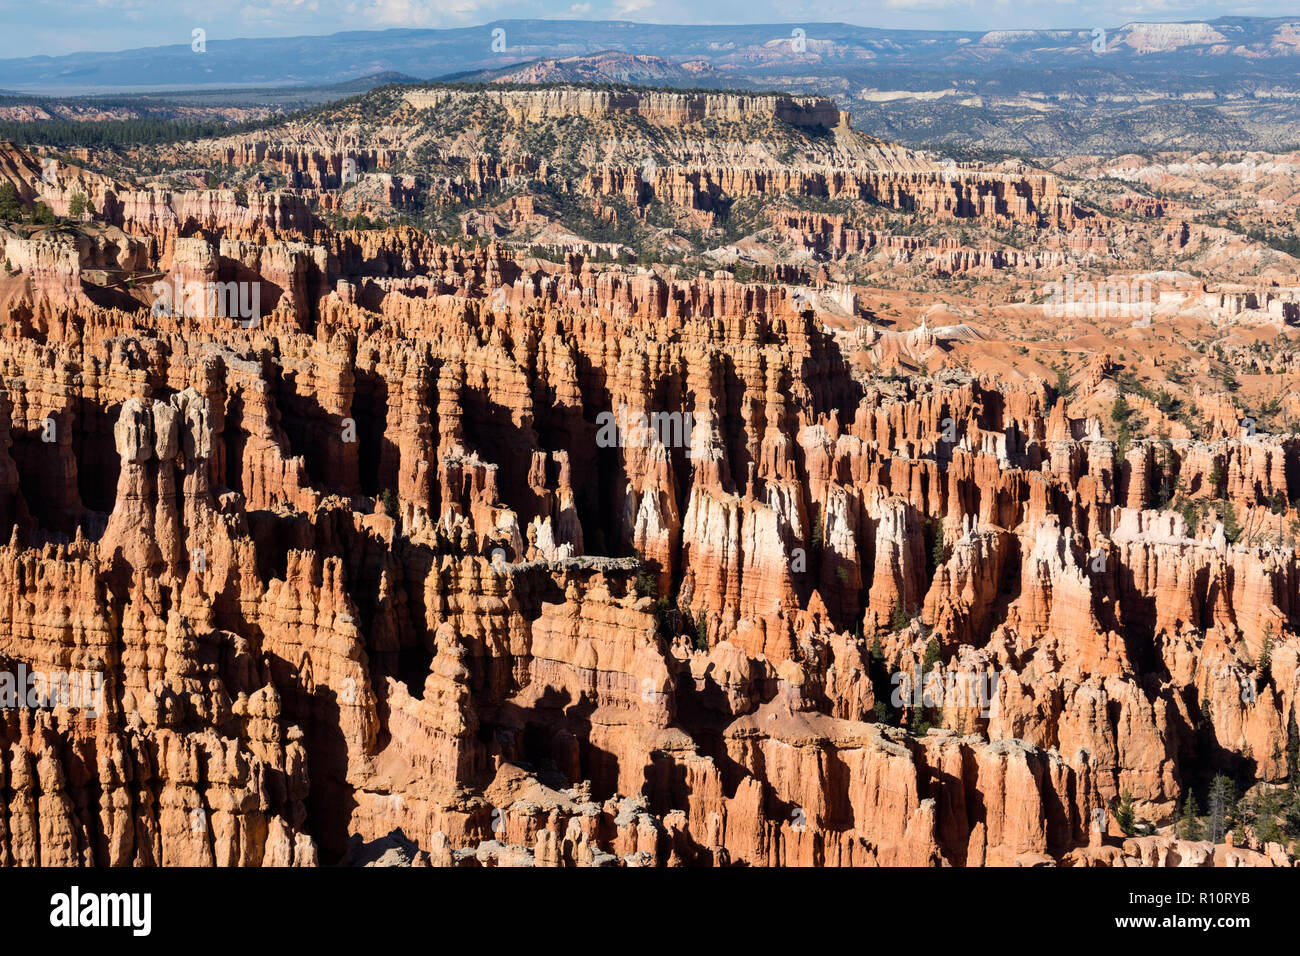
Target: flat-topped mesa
657 106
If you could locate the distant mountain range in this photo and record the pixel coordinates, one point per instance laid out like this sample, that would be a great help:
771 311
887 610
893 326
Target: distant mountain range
1230 83
1222 47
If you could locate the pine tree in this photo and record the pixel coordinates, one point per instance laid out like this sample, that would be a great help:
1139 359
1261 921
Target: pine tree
939 552
391 503
1120 410
1189 826
1231 526
1223 797
1291 813
1124 815
1119 414
11 206
1261 813
933 655
881 686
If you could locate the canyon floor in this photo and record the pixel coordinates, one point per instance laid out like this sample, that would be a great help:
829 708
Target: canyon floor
549 474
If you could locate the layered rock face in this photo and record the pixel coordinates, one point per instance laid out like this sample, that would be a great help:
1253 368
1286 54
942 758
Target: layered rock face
576 566
834 237
668 107
994 197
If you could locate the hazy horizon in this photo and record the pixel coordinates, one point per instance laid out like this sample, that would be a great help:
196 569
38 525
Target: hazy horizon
67 27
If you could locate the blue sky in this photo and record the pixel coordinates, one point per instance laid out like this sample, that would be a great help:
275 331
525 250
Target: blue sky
66 26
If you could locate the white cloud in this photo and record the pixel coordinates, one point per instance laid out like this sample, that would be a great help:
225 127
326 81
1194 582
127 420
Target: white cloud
400 13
